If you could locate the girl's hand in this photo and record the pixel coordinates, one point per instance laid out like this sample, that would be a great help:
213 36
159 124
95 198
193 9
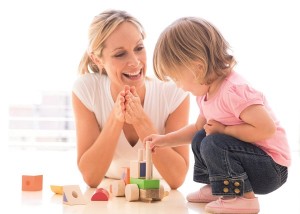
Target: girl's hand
156 141
134 111
212 127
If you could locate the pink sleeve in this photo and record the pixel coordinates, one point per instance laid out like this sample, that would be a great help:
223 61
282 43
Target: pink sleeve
240 97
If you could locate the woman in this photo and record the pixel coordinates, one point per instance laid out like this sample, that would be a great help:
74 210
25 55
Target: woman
116 106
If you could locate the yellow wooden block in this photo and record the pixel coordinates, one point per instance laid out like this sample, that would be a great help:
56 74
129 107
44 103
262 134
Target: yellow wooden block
57 189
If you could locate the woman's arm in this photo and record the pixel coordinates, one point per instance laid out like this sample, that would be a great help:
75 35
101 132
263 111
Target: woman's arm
95 147
173 162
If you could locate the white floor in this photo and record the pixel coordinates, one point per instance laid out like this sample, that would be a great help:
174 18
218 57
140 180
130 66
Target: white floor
59 168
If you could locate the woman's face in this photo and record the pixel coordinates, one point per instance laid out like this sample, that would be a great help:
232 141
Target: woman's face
124 56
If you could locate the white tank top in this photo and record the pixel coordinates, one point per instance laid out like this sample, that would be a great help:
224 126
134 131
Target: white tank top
161 99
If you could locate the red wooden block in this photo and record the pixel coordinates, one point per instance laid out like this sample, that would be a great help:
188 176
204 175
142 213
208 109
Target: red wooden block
100 195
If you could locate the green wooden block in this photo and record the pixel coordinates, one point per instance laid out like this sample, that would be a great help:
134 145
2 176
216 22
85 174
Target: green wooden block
145 183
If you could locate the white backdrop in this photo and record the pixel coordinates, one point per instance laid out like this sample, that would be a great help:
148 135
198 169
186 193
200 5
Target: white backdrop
41 43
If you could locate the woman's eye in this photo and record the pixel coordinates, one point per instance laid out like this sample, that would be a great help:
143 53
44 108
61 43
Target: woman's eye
140 48
120 54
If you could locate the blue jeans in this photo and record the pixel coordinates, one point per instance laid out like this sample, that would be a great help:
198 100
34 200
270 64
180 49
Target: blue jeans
234 167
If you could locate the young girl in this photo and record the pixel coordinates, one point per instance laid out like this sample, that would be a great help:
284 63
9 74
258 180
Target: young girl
239 146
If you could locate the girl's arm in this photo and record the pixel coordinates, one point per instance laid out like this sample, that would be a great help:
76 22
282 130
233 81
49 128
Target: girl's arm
174 149
258 125
95 147
176 138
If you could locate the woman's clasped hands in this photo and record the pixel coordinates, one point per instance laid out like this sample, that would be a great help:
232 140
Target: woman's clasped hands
128 106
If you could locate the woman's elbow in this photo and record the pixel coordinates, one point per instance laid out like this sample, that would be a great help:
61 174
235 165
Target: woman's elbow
90 179
176 183
91 182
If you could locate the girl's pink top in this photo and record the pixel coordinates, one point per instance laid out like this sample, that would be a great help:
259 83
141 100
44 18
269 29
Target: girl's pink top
234 95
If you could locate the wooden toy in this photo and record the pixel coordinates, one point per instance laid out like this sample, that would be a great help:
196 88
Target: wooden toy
118 188
72 195
126 175
32 182
132 192
141 186
100 194
56 189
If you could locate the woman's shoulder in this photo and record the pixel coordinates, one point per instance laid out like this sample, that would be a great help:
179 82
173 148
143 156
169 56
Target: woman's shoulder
90 82
90 79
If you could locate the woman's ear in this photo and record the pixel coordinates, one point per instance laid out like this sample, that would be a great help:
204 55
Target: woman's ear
96 60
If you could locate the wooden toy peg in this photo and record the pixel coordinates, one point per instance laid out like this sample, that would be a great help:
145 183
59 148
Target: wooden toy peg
148 161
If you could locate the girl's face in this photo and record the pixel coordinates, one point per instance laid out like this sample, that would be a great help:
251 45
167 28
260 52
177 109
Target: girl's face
124 56
188 82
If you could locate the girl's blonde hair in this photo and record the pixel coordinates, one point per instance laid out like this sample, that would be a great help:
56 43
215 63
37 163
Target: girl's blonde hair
189 41
100 29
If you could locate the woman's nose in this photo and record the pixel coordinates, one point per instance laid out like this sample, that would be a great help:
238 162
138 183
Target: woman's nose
134 61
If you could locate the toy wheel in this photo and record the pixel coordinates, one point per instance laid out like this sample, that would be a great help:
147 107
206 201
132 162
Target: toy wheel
132 192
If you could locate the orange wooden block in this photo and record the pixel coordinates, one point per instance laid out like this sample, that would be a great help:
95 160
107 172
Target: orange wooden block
32 182
126 175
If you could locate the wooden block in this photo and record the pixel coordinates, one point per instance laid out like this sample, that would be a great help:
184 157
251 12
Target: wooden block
137 169
118 188
154 194
100 194
126 174
32 182
149 194
162 192
56 189
148 161
72 195
146 184
132 192
140 155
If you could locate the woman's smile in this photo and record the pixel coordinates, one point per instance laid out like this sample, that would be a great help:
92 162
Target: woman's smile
133 75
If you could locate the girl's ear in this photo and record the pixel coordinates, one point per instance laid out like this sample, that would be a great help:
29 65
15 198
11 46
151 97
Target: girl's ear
200 66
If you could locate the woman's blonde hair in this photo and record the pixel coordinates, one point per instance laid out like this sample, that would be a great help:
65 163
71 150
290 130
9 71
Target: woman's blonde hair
189 41
100 29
